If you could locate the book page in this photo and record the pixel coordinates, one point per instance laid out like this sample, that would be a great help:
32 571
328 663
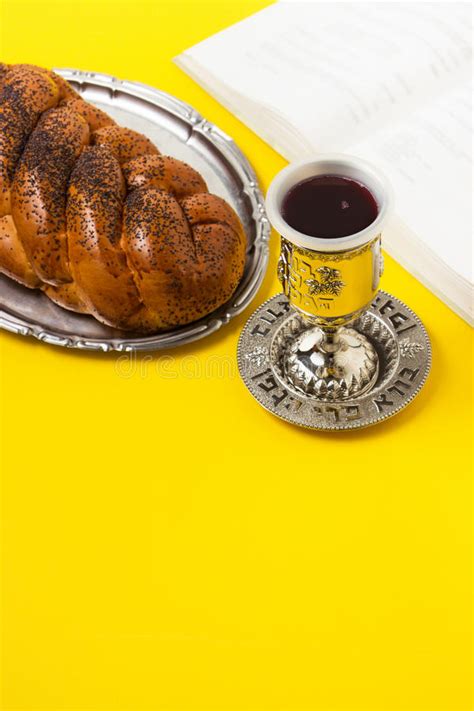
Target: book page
338 71
427 157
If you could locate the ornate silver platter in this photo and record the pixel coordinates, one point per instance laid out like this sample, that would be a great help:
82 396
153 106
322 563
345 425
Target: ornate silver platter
394 331
178 130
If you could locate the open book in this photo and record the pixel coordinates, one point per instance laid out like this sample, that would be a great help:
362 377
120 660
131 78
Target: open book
389 82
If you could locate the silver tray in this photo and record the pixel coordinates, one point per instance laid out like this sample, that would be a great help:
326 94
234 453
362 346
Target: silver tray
178 130
394 330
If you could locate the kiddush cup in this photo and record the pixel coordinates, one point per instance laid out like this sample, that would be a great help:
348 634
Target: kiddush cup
330 282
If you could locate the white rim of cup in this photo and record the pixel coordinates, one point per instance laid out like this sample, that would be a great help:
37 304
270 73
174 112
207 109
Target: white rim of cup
329 164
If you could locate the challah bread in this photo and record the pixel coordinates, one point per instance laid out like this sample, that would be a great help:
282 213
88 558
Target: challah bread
96 217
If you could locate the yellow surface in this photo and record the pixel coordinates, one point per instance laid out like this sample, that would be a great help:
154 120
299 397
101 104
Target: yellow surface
167 544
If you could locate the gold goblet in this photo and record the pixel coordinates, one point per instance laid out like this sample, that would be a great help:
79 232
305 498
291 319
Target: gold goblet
330 282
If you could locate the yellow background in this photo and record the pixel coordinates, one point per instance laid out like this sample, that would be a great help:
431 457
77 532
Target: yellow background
167 544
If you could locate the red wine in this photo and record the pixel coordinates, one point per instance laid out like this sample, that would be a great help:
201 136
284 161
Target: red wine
329 206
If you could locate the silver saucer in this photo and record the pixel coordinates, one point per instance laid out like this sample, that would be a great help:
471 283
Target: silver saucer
396 333
177 130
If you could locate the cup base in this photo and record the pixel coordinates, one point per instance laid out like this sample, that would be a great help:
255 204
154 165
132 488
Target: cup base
331 366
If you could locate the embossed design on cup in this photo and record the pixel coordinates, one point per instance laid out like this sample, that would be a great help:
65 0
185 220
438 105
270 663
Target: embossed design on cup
330 286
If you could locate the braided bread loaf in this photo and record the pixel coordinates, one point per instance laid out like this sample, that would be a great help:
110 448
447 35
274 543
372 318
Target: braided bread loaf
93 215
